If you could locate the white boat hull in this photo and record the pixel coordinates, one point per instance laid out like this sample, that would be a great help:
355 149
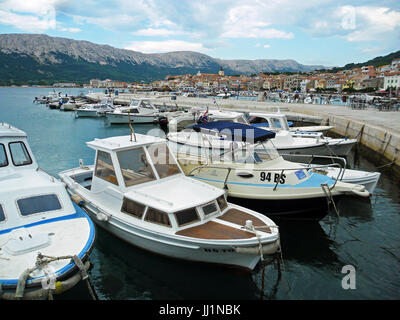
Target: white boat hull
121 118
190 250
87 113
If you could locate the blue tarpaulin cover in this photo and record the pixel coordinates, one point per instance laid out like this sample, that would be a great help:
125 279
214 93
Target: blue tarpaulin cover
236 131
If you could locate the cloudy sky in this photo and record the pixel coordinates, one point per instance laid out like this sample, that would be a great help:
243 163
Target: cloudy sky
327 32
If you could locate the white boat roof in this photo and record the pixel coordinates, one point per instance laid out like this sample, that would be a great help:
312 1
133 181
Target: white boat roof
174 194
261 114
124 142
7 130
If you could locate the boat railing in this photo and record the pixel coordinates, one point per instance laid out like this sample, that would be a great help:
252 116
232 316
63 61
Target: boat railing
308 167
312 157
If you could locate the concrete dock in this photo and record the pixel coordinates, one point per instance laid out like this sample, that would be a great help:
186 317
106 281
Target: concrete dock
377 130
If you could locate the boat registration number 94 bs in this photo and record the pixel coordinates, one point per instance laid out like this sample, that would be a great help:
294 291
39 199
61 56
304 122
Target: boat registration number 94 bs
274 177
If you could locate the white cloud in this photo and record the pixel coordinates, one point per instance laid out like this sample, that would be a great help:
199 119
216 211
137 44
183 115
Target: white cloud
72 30
150 32
29 23
355 23
165 46
373 22
32 16
266 46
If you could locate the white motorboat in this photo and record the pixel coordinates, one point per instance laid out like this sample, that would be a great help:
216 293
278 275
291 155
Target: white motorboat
70 104
202 114
285 141
45 239
278 123
138 111
138 192
96 109
254 173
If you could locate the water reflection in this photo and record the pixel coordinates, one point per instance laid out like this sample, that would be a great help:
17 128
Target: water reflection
122 271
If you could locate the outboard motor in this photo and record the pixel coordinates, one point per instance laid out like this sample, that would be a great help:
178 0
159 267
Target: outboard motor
163 122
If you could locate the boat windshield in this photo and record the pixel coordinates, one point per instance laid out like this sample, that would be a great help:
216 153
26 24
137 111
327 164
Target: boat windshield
241 119
135 168
162 159
147 105
267 151
134 103
252 154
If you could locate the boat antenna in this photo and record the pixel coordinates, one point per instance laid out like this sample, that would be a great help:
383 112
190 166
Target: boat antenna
130 126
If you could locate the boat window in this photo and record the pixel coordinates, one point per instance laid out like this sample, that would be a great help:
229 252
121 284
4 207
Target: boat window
187 216
2 215
275 123
133 208
135 168
254 120
104 167
131 110
147 105
163 161
19 154
158 217
267 152
241 119
222 203
210 208
134 103
3 156
38 204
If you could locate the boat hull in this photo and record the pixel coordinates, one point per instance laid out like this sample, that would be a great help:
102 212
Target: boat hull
313 209
124 119
190 251
87 113
68 274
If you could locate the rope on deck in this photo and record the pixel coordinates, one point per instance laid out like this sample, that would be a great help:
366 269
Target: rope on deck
41 262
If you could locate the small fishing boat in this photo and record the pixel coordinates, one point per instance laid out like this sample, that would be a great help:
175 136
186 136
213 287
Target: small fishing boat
278 121
202 114
96 109
139 111
45 239
252 169
137 191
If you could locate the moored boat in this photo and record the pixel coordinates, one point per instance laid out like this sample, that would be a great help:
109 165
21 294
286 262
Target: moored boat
45 239
137 191
253 172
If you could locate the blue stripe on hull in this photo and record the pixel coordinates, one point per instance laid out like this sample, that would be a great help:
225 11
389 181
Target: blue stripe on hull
79 213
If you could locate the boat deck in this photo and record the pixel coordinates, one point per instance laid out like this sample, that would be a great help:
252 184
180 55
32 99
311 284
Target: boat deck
218 231
239 217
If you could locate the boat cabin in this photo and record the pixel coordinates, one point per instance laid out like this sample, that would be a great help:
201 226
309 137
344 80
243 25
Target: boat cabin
27 193
141 106
139 178
14 149
272 121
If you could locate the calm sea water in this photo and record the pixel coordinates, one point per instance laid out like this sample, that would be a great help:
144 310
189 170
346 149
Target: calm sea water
366 235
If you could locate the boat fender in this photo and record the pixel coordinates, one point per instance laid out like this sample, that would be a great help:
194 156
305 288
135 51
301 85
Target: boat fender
78 200
102 217
361 192
270 248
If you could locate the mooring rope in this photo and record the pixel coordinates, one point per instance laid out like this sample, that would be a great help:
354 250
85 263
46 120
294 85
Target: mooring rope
41 262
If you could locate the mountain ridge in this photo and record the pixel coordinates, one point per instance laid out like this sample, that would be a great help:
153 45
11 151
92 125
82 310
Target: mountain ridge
38 56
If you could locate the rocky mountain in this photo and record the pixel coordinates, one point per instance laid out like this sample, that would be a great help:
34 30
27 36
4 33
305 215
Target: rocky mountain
37 57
